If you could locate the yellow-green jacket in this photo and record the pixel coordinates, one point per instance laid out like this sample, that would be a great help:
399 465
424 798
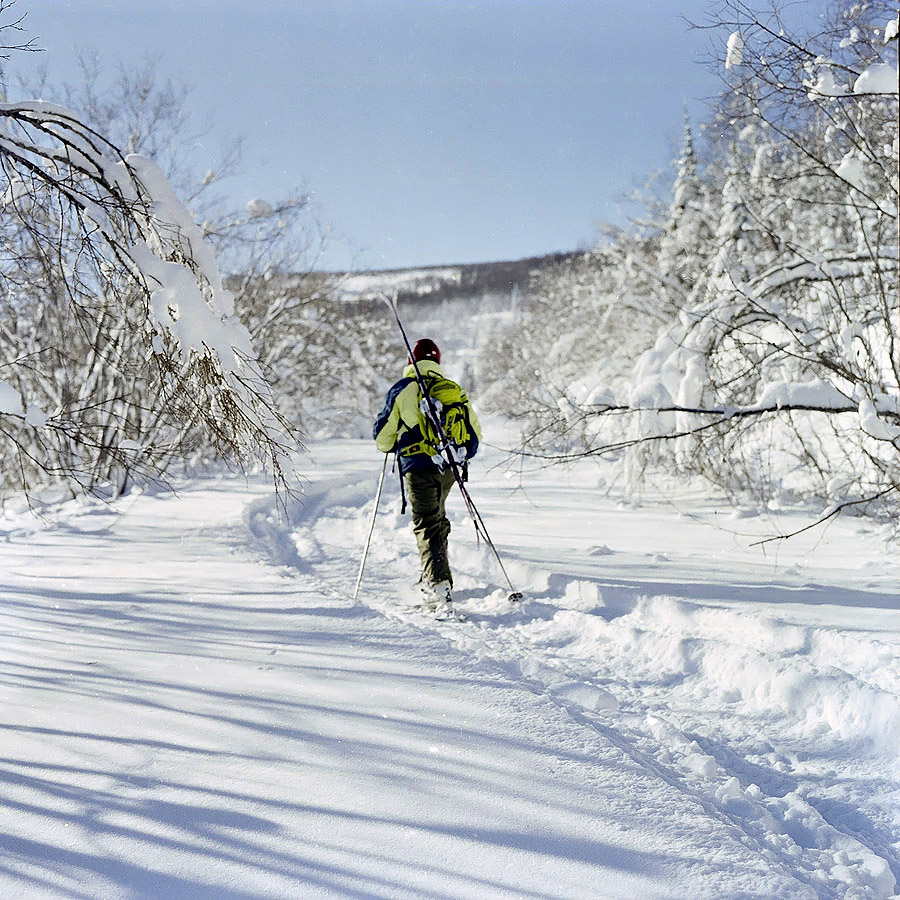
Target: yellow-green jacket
397 426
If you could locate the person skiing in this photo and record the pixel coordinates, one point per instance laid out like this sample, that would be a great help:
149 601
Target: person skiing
404 427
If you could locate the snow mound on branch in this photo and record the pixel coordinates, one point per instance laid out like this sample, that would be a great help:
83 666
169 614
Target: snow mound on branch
879 78
826 86
169 210
734 50
891 30
178 306
257 208
651 393
192 305
874 426
35 416
11 405
816 393
852 170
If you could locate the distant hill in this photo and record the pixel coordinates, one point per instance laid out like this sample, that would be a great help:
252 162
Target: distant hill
436 284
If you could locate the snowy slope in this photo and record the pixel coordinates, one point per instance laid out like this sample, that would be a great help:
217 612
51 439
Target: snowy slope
195 708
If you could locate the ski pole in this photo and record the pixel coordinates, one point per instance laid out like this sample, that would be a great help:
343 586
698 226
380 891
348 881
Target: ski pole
362 563
480 528
514 595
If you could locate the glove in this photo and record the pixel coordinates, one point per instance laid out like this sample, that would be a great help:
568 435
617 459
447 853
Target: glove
459 454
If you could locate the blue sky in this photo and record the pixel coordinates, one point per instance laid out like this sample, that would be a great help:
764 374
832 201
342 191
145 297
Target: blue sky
429 131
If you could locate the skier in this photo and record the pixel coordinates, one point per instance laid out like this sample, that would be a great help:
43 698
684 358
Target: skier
403 426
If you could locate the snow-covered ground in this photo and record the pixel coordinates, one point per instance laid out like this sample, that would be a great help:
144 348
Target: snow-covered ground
194 707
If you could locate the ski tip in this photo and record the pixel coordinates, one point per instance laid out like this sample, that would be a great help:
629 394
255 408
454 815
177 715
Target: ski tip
515 597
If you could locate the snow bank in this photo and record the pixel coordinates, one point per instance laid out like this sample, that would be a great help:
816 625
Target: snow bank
758 692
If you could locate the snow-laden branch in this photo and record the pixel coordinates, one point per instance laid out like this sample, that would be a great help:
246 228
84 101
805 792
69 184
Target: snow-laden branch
814 396
130 202
720 417
128 255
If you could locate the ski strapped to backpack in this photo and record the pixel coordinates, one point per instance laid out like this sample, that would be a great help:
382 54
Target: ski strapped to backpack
443 445
443 420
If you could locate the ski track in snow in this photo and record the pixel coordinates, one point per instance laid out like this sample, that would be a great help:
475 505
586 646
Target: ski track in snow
773 721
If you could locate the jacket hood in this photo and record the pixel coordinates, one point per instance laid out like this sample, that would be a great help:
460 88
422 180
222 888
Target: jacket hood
426 367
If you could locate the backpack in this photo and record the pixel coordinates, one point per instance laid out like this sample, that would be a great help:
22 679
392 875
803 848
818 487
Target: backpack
450 402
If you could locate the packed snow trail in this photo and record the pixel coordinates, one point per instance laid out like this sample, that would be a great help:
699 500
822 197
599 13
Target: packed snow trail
770 698
184 719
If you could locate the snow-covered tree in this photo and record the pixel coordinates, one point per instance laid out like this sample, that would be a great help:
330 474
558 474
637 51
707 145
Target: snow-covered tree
121 350
773 275
326 357
320 354
590 317
688 228
781 374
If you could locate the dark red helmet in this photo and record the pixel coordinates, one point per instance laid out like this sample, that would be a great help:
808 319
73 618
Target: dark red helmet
426 349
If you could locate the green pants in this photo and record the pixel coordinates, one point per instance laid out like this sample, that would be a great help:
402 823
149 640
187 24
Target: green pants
428 489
